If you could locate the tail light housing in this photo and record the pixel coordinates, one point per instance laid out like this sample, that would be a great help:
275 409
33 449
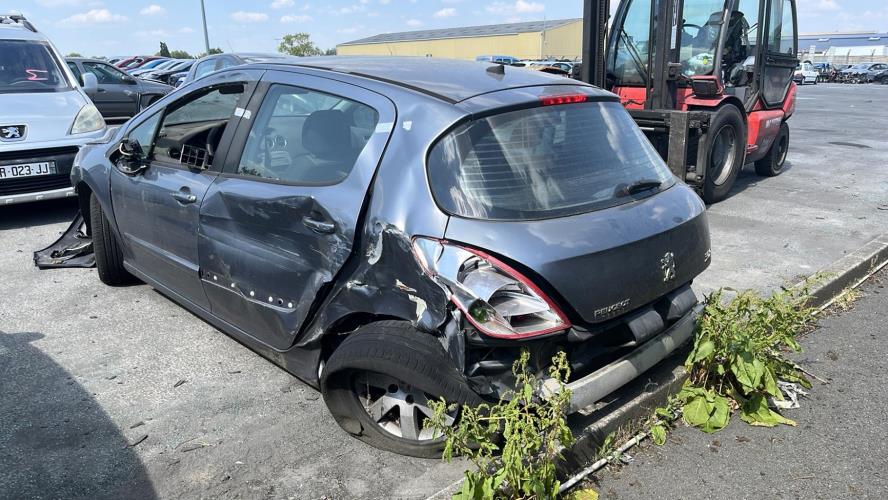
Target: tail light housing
495 298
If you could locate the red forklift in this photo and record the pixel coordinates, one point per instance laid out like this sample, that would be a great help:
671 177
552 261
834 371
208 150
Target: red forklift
708 81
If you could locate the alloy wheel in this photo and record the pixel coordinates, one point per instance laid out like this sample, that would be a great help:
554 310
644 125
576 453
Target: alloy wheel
397 407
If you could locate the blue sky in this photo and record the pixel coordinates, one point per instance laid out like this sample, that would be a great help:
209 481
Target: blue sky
117 27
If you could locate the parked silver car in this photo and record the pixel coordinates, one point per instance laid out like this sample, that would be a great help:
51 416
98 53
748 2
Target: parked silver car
45 116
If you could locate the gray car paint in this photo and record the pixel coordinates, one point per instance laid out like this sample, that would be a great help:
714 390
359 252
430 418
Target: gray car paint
370 272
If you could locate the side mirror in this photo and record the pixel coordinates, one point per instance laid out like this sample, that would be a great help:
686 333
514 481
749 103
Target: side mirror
90 84
130 157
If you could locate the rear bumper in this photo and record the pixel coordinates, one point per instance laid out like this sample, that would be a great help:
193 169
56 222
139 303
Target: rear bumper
598 384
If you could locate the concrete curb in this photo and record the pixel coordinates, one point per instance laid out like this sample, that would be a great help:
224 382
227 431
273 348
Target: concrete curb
639 398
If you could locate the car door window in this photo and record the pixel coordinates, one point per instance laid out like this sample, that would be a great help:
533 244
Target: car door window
192 128
204 68
74 69
144 134
105 73
303 136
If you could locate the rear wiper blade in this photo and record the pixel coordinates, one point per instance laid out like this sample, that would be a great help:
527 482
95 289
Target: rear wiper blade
639 186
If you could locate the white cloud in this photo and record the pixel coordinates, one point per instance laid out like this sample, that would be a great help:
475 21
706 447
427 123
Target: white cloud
280 4
94 16
248 17
518 7
297 18
448 12
414 23
385 2
186 30
153 10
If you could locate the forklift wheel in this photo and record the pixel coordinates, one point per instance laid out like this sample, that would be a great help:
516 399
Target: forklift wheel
725 153
772 163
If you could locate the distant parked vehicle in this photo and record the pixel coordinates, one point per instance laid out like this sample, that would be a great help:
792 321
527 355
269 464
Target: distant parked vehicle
165 75
134 62
119 96
216 62
160 66
805 73
881 77
510 60
149 65
860 73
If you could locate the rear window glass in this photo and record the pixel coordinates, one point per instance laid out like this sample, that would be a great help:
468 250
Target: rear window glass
27 66
545 162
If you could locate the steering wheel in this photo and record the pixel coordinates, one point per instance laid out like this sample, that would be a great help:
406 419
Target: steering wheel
689 25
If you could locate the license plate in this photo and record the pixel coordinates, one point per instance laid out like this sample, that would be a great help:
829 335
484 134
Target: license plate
27 170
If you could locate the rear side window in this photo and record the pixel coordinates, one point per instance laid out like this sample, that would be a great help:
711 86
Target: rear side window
303 136
27 66
545 162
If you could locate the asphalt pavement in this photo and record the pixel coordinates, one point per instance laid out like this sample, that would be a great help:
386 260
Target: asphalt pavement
838 449
118 392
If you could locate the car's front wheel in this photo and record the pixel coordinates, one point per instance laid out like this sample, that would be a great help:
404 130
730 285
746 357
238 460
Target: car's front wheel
378 384
109 256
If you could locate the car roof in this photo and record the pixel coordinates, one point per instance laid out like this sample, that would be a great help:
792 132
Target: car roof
86 59
448 79
19 32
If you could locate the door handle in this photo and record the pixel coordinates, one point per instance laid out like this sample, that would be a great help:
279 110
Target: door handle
319 226
184 197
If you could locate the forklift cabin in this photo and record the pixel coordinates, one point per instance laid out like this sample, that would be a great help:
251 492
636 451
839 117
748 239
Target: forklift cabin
708 81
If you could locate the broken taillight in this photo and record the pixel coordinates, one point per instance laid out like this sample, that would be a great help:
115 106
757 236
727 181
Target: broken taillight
498 300
555 100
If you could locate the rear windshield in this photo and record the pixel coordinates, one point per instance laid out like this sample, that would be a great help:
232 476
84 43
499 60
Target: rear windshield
545 162
28 66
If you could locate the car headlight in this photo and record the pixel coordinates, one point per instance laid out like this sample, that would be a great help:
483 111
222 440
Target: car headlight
88 120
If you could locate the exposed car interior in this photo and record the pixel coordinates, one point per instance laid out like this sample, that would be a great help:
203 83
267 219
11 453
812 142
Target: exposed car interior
304 136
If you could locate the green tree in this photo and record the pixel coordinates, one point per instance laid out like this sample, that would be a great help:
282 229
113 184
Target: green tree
74 54
180 54
298 44
330 52
164 50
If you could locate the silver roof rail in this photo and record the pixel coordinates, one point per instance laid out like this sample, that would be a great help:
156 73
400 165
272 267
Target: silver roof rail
16 17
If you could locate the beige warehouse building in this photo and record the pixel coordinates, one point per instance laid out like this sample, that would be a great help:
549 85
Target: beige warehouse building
534 40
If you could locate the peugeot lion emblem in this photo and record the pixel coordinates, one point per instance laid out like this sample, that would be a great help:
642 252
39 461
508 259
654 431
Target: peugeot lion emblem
12 132
667 264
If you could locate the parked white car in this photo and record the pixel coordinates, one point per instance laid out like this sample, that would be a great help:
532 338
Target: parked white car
805 73
45 116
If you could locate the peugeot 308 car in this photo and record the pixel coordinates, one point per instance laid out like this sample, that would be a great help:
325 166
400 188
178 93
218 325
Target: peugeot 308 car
45 116
392 230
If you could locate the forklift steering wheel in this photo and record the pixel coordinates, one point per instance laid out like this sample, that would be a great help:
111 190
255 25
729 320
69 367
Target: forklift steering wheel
689 25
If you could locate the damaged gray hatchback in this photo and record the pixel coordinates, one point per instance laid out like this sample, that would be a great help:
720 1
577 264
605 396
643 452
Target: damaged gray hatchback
395 230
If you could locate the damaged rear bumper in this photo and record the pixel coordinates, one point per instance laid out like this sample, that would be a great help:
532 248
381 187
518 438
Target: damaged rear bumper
598 384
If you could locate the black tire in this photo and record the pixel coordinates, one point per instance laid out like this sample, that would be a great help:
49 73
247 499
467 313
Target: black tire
109 256
396 350
725 150
772 163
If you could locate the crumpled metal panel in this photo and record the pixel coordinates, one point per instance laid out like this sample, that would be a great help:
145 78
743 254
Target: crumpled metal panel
73 249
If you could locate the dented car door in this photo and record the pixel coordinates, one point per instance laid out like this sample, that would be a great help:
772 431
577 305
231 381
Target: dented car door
280 222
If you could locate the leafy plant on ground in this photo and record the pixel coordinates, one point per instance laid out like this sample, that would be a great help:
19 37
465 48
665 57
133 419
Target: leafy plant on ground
737 359
514 443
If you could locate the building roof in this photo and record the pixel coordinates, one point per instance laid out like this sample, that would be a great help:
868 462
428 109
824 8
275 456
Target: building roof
447 79
823 41
465 32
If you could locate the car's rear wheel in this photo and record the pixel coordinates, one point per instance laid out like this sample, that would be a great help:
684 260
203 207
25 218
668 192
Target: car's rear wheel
109 256
772 164
378 384
725 152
